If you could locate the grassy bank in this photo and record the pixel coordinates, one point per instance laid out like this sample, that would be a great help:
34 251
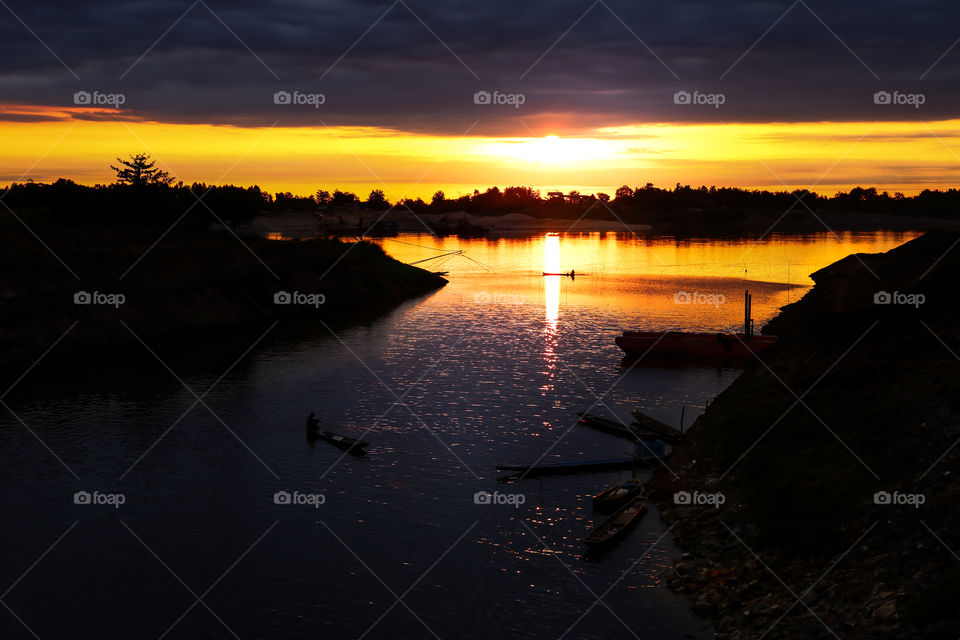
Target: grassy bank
188 287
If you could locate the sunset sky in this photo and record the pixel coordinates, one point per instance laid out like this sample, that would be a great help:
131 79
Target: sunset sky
788 94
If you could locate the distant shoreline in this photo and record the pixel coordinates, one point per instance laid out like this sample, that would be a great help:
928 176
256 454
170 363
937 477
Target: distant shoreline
290 225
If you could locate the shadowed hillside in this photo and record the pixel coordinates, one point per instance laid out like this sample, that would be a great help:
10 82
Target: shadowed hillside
854 410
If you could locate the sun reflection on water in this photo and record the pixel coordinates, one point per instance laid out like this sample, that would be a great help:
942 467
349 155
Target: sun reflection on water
551 301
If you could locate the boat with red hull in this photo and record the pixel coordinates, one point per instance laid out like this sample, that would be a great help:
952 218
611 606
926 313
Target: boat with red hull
698 345
678 343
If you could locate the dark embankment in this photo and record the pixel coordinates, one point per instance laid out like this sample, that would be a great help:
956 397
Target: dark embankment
804 546
193 288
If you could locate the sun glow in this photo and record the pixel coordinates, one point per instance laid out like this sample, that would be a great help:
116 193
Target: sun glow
553 150
44 144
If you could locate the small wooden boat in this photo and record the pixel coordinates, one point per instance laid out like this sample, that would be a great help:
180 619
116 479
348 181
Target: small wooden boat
654 425
681 344
647 452
558 468
616 496
634 431
620 494
692 345
605 424
568 274
614 527
343 442
631 432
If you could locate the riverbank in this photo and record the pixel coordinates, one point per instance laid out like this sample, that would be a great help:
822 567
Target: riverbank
190 287
836 516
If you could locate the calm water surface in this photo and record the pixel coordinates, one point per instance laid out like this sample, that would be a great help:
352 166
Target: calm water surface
488 370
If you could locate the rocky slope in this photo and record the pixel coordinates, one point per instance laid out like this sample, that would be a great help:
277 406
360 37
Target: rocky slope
835 457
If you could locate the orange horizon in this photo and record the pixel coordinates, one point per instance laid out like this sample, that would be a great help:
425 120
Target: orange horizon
823 157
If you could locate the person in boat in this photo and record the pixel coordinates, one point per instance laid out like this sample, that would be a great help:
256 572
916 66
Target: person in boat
313 424
573 274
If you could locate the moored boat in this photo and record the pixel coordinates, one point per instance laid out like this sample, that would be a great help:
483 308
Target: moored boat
608 425
703 345
614 527
616 496
654 425
698 345
633 431
557 468
648 452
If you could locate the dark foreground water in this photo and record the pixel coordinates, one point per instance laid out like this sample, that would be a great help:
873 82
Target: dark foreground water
489 370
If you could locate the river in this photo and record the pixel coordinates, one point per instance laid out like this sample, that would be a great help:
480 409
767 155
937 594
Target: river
488 370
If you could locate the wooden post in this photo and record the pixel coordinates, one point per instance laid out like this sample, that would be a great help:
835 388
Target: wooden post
747 320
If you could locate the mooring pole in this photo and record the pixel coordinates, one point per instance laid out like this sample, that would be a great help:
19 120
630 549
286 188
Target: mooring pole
746 314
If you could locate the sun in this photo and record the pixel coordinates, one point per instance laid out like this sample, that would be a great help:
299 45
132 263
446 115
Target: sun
550 150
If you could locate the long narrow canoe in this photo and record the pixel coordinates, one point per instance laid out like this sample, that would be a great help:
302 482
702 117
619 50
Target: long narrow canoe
616 496
343 442
614 527
632 432
649 452
557 468
652 424
605 424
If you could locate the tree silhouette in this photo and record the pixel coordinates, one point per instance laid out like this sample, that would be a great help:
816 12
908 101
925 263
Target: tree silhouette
377 200
140 170
343 199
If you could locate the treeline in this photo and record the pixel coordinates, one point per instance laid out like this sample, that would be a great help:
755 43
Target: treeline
65 200
650 200
134 200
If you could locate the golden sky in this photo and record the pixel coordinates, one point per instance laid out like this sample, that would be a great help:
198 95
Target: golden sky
825 157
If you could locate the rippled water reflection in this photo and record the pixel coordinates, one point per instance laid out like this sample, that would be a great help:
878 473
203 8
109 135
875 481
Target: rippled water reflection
488 370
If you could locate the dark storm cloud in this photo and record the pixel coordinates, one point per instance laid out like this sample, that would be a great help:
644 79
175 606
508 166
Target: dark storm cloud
399 75
28 117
